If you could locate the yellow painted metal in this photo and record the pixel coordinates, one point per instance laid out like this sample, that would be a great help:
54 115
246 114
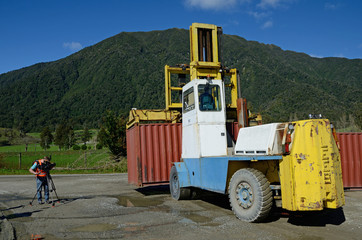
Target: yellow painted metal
255 119
200 66
311 176
233 86
169 88
137 115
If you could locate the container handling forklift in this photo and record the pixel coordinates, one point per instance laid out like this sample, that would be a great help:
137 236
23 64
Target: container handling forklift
294 165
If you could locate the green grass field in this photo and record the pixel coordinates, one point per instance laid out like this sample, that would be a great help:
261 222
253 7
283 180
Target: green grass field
35 147
18 157
90 161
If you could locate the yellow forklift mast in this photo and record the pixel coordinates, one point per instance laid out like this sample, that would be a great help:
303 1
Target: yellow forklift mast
205 63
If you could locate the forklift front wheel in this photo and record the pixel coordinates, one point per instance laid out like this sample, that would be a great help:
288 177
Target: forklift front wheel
178 193
250 195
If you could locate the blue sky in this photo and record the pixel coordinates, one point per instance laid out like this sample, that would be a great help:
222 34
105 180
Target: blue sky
33 31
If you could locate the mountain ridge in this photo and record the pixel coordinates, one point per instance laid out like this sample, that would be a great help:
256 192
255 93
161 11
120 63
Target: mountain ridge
126 71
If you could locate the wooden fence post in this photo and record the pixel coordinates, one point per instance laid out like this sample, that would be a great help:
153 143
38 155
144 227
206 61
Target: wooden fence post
20 160
85 159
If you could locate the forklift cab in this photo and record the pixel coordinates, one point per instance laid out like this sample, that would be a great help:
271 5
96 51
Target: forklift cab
204 119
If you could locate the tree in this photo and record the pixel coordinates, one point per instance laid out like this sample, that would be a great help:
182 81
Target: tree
46 138
69 137
357 112
112 134
59 136
101 136
86 135
64 136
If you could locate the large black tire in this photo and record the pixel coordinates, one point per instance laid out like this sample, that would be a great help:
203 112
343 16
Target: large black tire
178 193
250 196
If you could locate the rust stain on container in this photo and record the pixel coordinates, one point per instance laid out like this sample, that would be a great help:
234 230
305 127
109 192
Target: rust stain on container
351 156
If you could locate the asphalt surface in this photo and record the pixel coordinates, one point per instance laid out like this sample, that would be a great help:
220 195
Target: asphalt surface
107 207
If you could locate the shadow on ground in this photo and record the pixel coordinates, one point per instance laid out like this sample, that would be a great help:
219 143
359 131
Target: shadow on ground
318 218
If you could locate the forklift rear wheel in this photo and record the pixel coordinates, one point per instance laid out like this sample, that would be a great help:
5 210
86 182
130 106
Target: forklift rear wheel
250 196
178 193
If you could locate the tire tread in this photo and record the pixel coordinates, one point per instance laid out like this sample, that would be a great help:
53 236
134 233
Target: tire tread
262 189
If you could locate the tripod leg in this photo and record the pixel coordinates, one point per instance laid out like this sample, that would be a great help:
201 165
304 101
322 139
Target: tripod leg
50 180
37 191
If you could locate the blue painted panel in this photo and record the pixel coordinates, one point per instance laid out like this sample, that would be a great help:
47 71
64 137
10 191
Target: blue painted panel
210 173
194 169
214 173
183 174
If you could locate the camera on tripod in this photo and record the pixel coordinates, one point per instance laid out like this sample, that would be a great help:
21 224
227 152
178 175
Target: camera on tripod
47 166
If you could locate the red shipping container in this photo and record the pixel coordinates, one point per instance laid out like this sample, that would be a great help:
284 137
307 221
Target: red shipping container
351 155
151 150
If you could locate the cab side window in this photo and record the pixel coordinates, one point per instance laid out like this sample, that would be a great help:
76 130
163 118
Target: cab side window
189 100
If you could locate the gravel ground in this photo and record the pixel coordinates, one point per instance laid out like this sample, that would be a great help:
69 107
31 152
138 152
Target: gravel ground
105 206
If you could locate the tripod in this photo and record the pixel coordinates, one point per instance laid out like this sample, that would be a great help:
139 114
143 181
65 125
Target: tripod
51 186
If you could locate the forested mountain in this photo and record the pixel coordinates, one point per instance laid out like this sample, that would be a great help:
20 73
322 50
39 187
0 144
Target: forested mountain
126 71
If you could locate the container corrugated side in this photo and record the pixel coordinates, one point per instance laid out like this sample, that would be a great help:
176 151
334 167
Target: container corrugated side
154 148
133 155
351 156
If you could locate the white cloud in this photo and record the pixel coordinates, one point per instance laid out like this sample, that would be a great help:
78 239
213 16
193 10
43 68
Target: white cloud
264 4
258 15
267 24
73 46
269 3
340 55
316 56
211 4
330 6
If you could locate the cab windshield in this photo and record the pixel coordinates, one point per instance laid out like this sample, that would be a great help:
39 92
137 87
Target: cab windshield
209 97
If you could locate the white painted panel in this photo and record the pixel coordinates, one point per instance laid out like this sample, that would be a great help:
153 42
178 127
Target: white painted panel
211 117
213 140
190 144
260 140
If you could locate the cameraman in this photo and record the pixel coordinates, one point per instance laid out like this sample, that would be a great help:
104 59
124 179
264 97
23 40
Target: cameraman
41 178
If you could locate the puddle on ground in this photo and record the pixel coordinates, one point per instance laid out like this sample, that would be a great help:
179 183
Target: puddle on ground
20 217
195 217
23 219
156 204
131 201
134 228
95 228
